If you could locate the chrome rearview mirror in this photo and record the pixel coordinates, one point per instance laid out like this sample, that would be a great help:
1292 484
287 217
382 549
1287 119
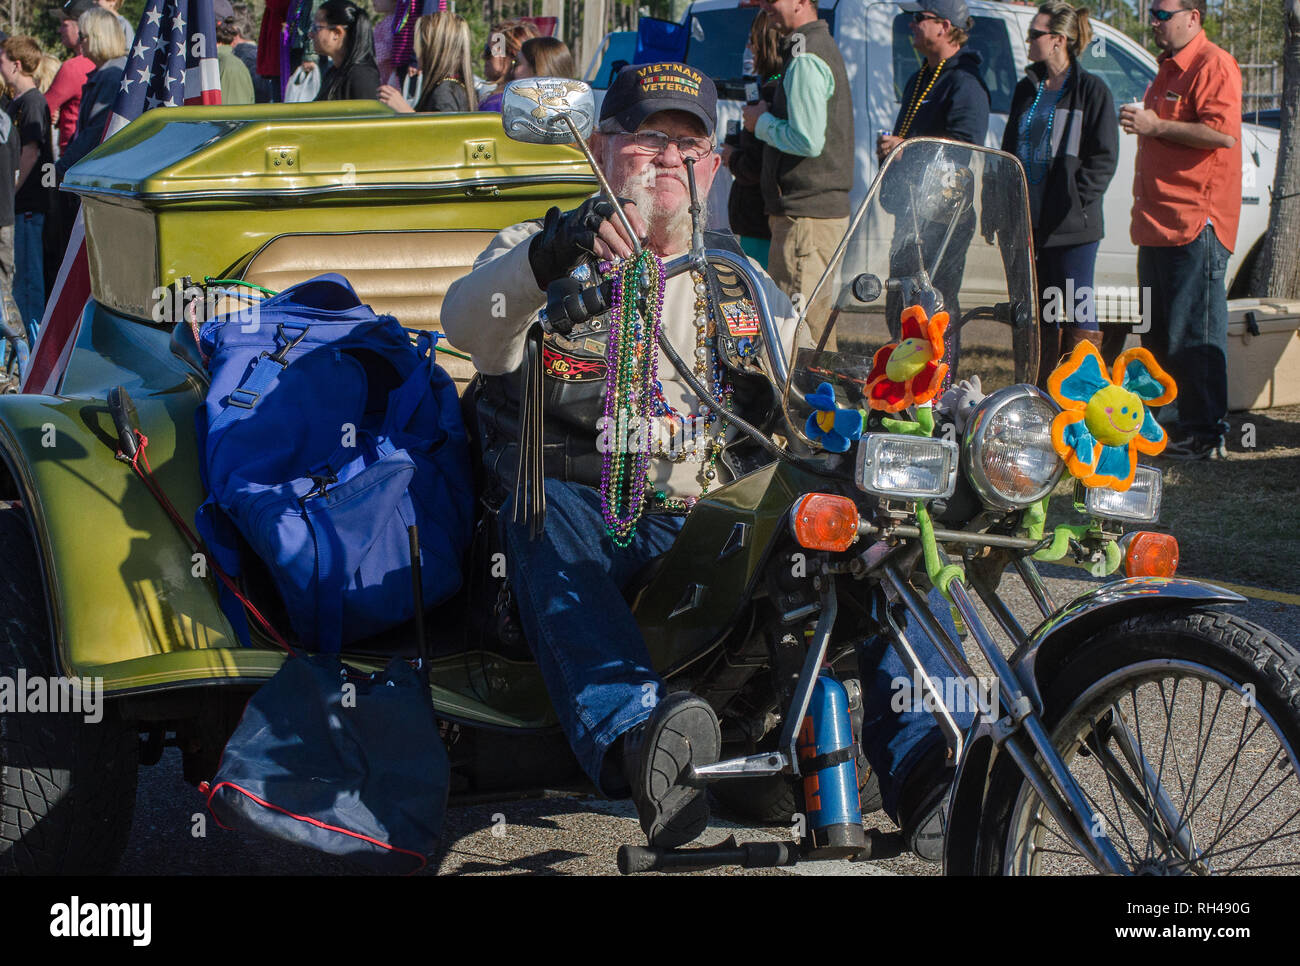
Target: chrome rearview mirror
548 110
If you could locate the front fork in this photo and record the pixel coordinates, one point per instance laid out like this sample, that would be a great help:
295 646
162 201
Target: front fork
1019 732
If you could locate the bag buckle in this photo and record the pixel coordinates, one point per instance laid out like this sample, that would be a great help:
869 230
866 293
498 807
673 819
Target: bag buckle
323 481
243 398
280 357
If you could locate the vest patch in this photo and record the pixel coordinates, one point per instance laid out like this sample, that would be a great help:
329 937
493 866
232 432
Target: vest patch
561 365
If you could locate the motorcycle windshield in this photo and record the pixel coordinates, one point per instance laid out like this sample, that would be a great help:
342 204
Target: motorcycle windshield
944 229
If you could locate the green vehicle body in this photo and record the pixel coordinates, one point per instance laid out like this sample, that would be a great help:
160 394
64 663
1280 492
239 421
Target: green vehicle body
195 192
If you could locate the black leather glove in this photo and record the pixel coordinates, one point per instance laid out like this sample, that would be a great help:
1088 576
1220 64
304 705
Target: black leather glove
566 240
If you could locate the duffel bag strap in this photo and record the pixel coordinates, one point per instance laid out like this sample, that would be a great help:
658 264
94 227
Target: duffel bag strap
242 399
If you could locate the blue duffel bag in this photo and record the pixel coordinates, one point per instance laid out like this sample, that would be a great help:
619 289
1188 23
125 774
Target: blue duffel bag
324 435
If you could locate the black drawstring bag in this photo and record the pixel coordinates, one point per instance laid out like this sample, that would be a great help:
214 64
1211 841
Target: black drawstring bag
346 763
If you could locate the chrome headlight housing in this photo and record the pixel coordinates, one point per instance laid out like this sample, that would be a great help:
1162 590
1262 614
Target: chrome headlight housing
907 467
1140 503
1008 451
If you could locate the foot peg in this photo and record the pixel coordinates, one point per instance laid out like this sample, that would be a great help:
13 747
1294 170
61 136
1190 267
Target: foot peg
749 855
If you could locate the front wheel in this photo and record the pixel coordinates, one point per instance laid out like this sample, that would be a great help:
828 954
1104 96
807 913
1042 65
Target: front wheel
1182 728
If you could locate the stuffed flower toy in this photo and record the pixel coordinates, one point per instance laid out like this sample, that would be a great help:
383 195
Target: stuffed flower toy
1106 422
910 372
832 427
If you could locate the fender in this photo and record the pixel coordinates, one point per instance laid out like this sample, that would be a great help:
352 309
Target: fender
127 602
1036 663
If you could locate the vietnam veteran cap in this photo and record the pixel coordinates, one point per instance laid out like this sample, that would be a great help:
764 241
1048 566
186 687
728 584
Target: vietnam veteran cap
644 89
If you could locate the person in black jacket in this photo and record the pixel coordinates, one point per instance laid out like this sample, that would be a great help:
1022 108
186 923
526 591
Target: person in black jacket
1064 129
342 32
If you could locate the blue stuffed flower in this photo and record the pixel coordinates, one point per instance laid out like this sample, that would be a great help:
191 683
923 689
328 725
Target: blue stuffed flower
830 426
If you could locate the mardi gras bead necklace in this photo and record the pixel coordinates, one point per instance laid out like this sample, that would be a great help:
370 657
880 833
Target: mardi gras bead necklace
918 98
1038 156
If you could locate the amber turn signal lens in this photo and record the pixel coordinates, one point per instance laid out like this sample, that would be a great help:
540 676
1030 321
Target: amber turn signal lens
1151 554
823 521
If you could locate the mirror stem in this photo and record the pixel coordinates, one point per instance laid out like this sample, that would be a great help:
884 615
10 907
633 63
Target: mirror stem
604 185
697 234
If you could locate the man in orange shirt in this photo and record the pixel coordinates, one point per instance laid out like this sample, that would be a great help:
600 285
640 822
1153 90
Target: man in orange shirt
1186 205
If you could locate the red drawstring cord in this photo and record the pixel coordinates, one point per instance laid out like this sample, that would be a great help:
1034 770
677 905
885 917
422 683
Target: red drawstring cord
146 477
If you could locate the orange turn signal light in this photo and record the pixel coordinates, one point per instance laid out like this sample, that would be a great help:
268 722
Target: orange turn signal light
1151 554
824 521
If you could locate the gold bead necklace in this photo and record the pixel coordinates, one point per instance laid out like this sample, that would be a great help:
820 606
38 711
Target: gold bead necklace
916 100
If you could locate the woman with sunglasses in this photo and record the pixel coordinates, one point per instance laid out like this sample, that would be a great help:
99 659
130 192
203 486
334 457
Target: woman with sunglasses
342 32
501 58
1063 127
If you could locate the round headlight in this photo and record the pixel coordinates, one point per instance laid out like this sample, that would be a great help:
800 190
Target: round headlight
1008 451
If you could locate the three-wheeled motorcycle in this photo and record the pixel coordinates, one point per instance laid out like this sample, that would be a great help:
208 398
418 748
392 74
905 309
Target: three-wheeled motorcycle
1139 728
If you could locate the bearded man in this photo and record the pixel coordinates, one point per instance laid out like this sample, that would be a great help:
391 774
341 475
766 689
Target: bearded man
569 581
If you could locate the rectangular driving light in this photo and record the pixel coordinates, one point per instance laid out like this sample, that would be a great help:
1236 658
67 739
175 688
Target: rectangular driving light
907 467
1140 503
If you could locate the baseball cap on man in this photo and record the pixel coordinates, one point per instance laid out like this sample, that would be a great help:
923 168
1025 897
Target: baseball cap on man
644 89
954 11
73 9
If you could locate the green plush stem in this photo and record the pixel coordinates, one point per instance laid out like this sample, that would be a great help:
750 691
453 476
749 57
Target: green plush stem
1035 519
922 426
1060 545
939 575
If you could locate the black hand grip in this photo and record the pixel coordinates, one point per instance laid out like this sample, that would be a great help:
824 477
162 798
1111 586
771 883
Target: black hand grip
125 419
568 303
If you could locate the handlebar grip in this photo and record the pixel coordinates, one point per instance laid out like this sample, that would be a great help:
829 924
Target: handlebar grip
568 304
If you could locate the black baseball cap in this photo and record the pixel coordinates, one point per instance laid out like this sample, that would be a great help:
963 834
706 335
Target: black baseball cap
644 89
73 9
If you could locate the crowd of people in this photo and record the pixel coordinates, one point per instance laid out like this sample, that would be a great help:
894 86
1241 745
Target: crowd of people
55 111
795 157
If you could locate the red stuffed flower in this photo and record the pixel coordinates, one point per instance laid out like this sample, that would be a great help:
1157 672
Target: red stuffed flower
910 372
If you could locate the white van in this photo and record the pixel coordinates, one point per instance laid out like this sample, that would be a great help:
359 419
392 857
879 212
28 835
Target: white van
876 42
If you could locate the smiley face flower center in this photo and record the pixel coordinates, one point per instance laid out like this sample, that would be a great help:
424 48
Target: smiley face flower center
1114 415
908 359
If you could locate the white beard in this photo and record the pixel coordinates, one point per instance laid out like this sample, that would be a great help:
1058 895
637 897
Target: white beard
668 225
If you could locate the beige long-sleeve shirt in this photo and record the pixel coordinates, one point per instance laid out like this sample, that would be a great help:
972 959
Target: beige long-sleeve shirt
488 312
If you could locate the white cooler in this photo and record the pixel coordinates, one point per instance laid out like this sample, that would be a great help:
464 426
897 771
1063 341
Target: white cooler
1263 368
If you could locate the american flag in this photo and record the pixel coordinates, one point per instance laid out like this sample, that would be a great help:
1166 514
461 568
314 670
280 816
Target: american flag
173 62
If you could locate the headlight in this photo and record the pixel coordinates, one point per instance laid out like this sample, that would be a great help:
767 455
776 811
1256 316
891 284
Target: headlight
1008 448
1140 503
907 467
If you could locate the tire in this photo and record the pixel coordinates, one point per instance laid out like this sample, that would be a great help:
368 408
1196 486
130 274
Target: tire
67 787
1212 703
771 798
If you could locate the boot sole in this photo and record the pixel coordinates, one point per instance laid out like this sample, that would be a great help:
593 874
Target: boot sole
683 732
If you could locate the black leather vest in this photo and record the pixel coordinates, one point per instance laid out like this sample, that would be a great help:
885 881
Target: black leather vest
573 391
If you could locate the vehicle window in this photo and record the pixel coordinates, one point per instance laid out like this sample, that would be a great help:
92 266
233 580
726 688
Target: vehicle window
718 37
1125 75
988 38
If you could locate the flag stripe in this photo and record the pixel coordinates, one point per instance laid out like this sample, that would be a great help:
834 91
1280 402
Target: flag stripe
171 63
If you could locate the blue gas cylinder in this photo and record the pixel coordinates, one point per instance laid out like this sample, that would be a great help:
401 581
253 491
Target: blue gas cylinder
828 764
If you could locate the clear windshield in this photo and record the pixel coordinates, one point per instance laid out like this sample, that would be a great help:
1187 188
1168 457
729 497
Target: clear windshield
944 227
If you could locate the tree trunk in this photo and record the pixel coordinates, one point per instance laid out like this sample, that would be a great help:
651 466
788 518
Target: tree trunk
1277 273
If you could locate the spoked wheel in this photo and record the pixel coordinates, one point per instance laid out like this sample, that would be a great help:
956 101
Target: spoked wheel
1183 730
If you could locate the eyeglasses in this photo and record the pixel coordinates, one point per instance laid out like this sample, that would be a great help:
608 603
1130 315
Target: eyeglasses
1164 16
921 16
655 142
1035 34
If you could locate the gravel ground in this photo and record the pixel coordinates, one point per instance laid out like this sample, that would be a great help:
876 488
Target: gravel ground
560 834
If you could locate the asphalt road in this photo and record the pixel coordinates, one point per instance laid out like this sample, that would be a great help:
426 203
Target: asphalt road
560 834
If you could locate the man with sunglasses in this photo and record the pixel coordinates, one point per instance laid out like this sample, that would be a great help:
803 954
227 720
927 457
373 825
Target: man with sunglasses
1186 206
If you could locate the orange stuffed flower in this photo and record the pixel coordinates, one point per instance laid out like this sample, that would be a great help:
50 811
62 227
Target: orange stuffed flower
1105 421
910 372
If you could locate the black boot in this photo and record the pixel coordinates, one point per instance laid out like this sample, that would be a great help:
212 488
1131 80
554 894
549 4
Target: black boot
681 732
923 804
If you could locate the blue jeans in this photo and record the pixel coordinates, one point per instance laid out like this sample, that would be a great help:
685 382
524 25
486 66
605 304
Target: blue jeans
1069 270
1188 332
894 741
569 587
29 269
